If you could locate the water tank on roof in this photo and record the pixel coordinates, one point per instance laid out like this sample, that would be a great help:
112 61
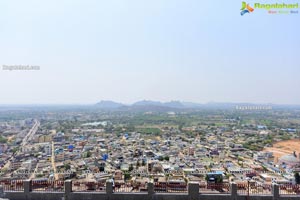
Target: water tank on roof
105 157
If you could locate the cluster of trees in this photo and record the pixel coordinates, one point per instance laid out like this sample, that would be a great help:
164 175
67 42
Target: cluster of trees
3 139
138 163
258 143
154 131
87 154
161 158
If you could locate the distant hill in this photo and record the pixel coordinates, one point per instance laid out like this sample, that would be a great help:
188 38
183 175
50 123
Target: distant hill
171 104
109 105
192 105
149 105
174 104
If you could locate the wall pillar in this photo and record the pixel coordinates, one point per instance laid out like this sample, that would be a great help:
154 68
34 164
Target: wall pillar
275 191
109 187
150 187
27 186
193 190
2 194
68 188
233 191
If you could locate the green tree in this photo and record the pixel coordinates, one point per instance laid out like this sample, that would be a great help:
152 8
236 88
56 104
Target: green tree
67 166
206 177
180 126
127 176
88 154
219 179
39 175
130 128
130 167
15 149
264 168
3 139
227 176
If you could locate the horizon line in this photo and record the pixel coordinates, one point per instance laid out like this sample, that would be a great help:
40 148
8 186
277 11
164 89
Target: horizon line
130 104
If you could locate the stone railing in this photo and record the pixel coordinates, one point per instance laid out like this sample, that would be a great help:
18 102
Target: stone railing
66 191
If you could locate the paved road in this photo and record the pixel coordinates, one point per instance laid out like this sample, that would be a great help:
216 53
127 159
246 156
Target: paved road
26 139
31 133
53 162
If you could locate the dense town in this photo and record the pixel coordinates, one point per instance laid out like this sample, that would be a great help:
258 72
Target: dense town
132 149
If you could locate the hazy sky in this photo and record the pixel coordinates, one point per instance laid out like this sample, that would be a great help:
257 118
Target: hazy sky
129 50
